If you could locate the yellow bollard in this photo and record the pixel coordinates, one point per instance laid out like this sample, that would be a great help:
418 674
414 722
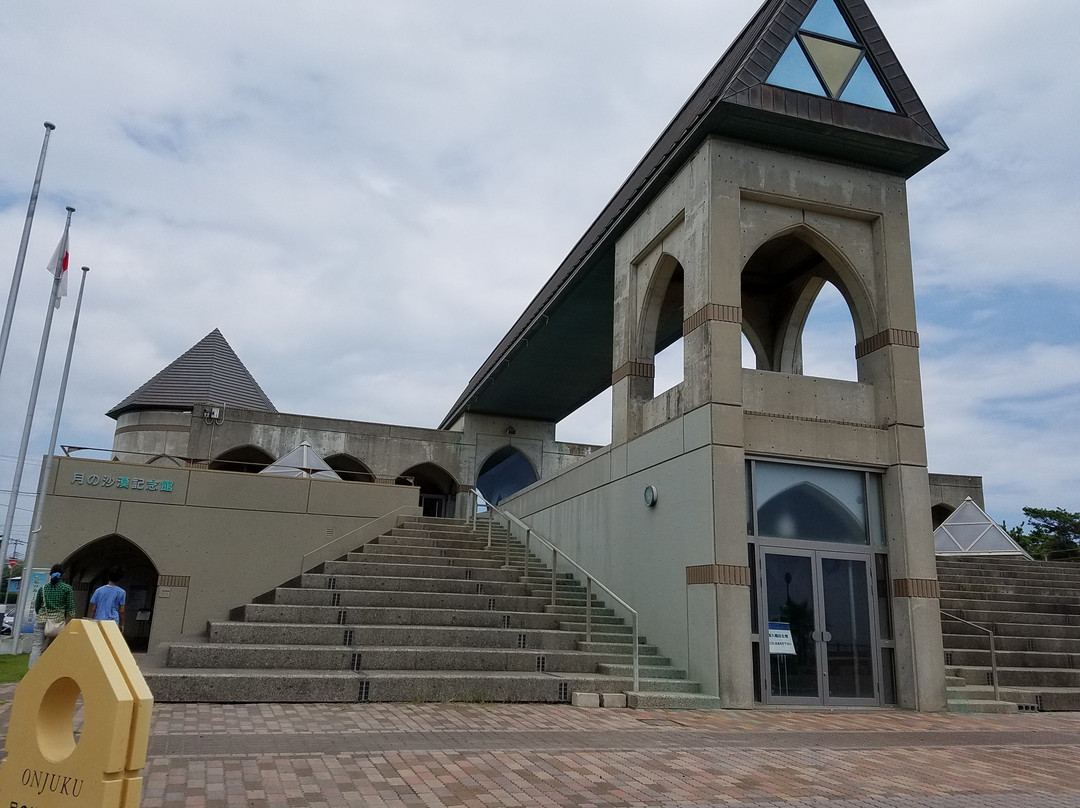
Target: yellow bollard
46 766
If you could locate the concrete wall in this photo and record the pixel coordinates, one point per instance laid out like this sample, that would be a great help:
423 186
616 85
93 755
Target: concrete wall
387 450
218 539
719 209
595 512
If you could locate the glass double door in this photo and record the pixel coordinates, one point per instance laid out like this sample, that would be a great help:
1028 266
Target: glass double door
821 642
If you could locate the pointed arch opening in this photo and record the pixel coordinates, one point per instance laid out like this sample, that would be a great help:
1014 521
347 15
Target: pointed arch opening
662 323
506 471
88 568
349 468
798 280
249 459
437 488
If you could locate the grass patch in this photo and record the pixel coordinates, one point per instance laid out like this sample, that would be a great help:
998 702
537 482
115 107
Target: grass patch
13 667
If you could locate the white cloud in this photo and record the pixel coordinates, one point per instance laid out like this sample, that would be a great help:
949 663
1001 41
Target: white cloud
363 197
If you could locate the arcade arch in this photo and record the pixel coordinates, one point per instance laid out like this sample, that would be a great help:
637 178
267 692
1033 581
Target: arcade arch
350 469
661 324
437 488
250 459
505 472
88 568
781 283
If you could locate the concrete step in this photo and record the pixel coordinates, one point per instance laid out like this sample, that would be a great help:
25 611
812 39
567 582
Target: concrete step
385 568
339 658
623 647
402 583
1007 591
958 605
1014 630
1010 659
436 636
672 701
394 616
245 686
978 642
966 706
648 669
373 554
415 600
1018 677
1004 618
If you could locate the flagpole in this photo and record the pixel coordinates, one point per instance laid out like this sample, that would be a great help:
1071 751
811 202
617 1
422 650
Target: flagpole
20 463
46 475
16 278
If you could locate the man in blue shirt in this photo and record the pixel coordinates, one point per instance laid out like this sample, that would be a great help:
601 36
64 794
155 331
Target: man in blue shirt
107 602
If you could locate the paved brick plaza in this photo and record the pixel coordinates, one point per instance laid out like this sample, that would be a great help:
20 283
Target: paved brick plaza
324 756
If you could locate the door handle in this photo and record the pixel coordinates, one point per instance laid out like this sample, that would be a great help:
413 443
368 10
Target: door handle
826 636
821 636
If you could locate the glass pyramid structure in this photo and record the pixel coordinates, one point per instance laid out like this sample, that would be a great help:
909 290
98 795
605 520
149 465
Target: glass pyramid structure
969 531
303 461
826 58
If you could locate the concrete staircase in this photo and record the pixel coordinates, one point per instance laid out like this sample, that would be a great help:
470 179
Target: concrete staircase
426 612
1033 607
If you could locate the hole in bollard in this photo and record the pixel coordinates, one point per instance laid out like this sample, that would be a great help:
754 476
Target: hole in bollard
60 720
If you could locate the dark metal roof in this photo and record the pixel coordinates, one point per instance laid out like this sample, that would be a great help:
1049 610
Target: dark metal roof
210 372
558 354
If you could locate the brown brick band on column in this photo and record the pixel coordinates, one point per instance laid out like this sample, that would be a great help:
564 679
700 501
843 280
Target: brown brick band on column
711 311
718 574
916 588
890 336
174 580
645 369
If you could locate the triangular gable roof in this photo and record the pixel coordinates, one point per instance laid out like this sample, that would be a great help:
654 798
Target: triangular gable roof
303 461
735 100
969 531
209 372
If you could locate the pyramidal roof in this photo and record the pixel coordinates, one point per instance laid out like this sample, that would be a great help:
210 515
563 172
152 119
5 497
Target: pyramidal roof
969 531
209 372
303 461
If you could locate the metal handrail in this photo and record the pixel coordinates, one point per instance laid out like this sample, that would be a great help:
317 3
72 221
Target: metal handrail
993 650
590 579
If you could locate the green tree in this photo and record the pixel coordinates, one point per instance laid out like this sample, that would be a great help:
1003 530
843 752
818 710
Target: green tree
8 573
1052 534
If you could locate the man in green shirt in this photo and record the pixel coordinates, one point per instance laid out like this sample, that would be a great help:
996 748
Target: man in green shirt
54 601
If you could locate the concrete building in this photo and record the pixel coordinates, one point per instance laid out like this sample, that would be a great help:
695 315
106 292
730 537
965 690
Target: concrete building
772 529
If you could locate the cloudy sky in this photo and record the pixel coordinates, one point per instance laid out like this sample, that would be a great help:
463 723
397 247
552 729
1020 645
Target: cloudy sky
363 197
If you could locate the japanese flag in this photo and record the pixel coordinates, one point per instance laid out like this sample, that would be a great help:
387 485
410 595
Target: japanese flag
58 266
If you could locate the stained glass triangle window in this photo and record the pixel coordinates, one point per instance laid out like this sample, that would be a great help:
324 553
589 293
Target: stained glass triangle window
826 58
794 72
833 61
825 18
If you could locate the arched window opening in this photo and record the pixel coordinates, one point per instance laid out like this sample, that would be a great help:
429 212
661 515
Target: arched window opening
249 459
437 488
939 513
828 337
668 365
786 285
663 323
88 568
749 357
350 469
504 473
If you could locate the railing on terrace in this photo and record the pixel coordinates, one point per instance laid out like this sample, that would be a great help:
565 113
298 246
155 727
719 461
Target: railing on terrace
993 649
515 527
210 464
